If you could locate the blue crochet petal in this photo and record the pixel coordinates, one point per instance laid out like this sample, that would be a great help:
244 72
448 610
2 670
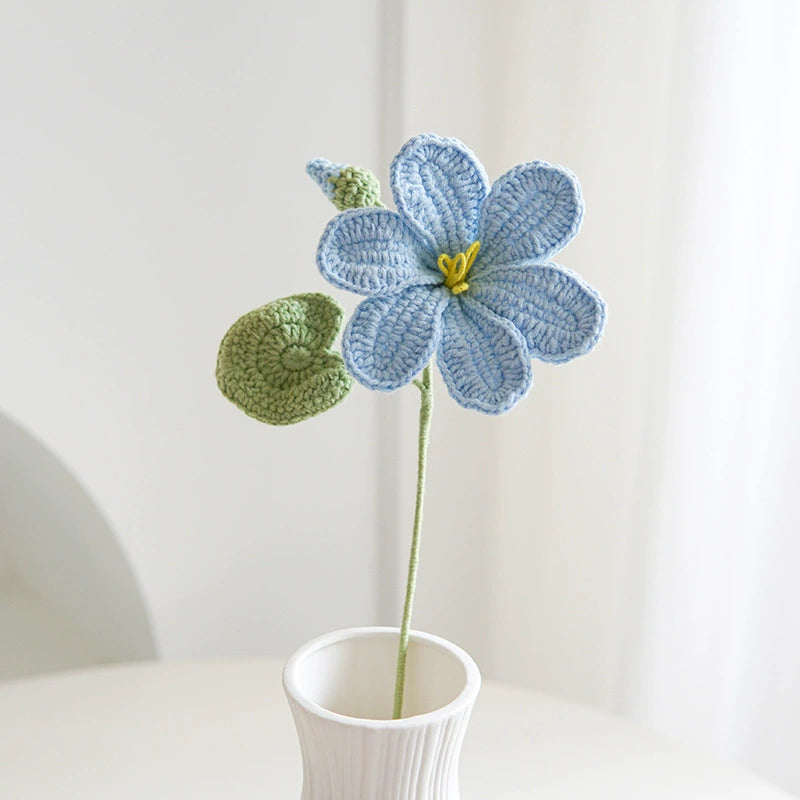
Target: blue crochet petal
483 358
531 212
559 315
439 187
369 250
391 337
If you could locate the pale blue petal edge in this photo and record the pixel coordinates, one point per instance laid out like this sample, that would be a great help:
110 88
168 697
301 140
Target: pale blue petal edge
391 337
559 314
371 250
439 186
320 170
483 358
532 212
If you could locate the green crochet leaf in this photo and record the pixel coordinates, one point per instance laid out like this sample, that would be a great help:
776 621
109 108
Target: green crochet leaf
275 363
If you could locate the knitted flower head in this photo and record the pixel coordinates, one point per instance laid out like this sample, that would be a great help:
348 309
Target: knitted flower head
461 271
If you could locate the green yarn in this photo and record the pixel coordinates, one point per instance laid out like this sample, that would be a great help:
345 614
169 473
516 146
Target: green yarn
425 410
276 365
355 187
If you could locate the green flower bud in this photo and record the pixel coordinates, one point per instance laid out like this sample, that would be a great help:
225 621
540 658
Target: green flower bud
355 187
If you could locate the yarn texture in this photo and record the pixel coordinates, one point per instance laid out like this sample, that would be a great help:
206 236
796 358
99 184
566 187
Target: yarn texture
345 186
276 365
461 271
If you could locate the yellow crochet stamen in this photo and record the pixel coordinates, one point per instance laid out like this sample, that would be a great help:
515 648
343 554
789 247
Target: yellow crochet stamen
455 269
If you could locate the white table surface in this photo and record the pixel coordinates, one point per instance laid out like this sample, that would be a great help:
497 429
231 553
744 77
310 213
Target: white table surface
223 730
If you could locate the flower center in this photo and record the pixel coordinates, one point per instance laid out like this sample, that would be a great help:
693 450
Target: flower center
455 269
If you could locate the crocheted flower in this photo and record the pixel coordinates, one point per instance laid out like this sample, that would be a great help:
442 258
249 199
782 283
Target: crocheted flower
461 270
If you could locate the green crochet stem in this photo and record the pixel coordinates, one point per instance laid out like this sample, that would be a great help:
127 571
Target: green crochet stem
425 409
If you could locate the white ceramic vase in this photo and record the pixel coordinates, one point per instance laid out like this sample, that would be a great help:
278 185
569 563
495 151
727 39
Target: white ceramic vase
340 688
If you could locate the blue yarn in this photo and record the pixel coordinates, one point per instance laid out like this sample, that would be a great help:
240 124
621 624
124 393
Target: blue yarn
483 358
560 316
368 250
320 170
391 337
439 187
531 213
517 304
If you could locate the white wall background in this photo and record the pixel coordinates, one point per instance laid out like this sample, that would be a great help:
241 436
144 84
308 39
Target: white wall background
153 190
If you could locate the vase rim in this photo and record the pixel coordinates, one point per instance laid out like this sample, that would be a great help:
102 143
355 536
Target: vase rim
462 701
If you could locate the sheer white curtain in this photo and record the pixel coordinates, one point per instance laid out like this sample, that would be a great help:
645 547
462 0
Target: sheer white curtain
648 542
717 650
643 538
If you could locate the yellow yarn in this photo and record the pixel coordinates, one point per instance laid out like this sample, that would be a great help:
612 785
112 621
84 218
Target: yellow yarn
455 269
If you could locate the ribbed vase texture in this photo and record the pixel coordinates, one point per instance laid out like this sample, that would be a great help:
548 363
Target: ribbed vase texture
370 756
